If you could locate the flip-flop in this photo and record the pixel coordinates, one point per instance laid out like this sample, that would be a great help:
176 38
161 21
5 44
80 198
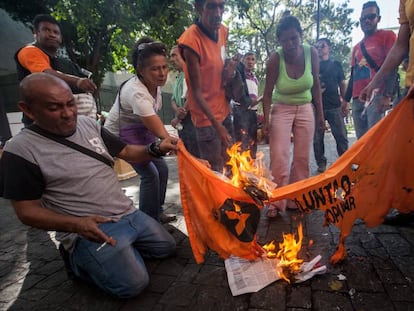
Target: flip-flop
272 212
291 206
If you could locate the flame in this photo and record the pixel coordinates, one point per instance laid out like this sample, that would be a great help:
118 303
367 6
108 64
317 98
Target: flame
245 170
288 262
270 249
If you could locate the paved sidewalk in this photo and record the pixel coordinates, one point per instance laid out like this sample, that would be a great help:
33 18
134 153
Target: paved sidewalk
379 270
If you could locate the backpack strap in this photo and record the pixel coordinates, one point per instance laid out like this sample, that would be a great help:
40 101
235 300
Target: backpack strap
369 59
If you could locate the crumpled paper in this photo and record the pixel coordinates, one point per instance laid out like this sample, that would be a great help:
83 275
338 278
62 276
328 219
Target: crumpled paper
246 276
308 270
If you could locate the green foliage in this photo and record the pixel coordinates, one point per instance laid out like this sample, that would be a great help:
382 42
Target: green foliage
98 34
25 10
253 26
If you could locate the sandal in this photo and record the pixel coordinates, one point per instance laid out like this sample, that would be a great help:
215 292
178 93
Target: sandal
291 205
272 212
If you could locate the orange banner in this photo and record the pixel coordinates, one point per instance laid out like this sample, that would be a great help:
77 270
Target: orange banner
373 176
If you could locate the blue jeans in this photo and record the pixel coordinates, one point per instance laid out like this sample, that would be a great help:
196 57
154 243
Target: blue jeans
120 270
188 135
364 121
245 129
211 147
153 186
336 122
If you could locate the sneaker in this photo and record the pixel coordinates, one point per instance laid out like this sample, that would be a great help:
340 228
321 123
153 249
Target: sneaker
321 168
164 218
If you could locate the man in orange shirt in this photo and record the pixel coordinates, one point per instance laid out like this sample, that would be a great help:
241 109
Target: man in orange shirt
40 56
203 47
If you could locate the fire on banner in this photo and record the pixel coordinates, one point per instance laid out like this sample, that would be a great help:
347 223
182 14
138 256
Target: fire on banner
373 176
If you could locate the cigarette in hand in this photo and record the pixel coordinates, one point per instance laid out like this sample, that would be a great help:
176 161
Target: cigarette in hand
103 244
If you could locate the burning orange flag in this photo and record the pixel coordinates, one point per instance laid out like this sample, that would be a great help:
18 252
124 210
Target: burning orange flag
373 176
218 215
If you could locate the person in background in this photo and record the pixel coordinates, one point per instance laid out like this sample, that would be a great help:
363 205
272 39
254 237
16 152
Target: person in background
203 48
402 89
52 186
133 118
367 57
245 118
333 87
182 121
293 70
403 46
5 132
41 56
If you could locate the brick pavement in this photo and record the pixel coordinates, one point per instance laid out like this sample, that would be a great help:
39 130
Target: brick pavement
379 270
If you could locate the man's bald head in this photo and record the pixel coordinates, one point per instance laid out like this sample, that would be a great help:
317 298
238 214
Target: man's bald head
49 101
36 84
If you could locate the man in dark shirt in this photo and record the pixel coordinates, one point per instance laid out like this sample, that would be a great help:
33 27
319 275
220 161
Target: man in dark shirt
334 108
41 56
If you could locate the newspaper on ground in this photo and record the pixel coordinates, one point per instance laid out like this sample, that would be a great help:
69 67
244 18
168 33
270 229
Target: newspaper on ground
246 276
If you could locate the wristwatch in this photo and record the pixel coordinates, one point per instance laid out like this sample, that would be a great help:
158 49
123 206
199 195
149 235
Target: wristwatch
154 149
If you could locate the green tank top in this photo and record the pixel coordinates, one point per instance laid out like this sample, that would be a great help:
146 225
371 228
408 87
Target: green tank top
294 91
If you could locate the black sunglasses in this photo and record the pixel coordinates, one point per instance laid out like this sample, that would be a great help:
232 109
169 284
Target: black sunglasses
371 17
155 44
321 46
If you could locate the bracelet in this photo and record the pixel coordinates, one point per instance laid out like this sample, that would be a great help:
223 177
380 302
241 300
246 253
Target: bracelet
154 149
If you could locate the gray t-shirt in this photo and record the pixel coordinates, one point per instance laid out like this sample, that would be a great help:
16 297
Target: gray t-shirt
65 180
136 102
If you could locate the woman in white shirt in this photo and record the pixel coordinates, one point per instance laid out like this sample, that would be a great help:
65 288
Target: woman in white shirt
133 117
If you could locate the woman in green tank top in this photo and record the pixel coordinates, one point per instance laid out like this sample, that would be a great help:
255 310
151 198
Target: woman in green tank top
293 71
